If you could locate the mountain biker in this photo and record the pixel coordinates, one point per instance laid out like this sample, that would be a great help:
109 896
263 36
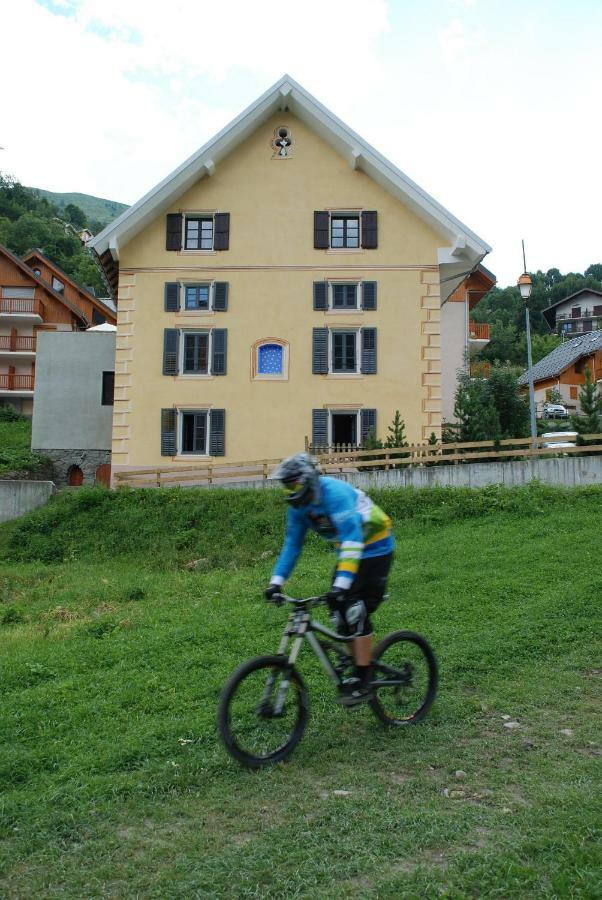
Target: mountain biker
362 535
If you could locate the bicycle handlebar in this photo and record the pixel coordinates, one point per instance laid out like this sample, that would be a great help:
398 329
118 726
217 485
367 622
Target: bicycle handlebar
279 599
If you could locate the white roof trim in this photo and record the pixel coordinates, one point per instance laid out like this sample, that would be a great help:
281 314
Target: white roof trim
287 92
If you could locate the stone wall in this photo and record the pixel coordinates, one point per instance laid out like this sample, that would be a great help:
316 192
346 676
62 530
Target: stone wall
20 497
87 460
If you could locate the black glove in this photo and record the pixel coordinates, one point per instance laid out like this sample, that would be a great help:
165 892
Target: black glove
335 596
272 591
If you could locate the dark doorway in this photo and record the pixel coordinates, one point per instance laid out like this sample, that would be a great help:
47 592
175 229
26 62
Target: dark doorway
75 476
344 428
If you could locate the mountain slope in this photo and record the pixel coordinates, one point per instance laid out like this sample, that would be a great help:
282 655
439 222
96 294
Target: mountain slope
96 208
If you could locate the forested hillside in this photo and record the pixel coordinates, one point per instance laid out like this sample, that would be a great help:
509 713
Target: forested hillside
98 211
28 220
505 311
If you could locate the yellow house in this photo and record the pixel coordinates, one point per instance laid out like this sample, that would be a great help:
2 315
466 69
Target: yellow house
284 284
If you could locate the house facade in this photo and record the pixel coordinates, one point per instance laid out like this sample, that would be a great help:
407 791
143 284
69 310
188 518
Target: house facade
563 370
577 314
281 287
95 310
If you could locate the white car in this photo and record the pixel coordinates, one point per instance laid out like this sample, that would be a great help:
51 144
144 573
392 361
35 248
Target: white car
569 439
555 411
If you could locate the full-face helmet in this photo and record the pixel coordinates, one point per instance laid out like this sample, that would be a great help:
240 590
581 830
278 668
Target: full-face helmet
300 476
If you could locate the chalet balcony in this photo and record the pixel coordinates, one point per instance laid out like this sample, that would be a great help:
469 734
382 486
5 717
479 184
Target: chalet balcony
11 344
15 385
20 309
479 332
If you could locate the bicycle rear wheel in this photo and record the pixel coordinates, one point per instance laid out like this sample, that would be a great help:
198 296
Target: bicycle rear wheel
253 728
404 678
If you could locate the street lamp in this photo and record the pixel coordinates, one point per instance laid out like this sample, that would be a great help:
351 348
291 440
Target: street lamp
525 285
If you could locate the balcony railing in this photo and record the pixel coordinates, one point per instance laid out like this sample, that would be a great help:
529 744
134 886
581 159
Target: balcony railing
20 306
479 331
14 343
480 369
10 381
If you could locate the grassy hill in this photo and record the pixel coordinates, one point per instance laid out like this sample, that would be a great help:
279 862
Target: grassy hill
113 653
96 208
15 446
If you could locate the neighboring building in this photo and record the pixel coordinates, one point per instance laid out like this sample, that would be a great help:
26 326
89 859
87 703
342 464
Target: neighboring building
564 370
284 282
94 309
28 306
73 409
460 335
579 313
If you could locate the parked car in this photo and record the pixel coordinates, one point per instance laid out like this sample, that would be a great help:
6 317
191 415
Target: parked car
555 411
569 439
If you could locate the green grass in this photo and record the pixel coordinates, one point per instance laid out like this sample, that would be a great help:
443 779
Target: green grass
112 779
15 447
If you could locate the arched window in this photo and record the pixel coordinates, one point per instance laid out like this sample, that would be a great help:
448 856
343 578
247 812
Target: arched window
270 359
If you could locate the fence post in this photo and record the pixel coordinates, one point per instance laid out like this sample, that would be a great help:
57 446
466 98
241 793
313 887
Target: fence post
306 444
210 474
265 470
158 478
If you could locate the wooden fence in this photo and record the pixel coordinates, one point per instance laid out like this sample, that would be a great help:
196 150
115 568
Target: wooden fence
356 460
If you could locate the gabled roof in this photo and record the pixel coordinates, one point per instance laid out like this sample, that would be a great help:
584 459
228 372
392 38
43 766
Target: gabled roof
564 356
551 318
36 252
462 250
43 284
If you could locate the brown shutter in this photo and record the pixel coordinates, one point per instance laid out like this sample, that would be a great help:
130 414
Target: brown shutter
369 230
173 234
221 238
321 230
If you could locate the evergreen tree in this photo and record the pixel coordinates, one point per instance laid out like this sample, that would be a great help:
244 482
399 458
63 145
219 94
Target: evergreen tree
591 407
397 432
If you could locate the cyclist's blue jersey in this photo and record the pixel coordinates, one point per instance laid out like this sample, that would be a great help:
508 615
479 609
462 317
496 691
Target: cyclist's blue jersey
346 517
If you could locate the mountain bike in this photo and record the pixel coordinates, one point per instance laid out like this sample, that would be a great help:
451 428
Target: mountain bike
264 707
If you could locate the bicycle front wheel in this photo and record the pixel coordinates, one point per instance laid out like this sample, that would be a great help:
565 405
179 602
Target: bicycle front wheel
263 711
404 678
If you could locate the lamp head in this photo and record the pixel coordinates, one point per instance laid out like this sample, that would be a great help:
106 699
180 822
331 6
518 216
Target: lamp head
525 285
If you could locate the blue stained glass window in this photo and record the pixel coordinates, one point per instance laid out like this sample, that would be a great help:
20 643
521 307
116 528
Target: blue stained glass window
270 360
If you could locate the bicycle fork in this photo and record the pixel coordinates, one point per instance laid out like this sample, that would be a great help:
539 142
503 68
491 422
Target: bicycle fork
299 630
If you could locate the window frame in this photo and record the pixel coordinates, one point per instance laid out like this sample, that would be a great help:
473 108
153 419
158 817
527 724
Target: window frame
210 285
198 217
358 353
356 411
181 350
345 215
59 290
180 431
105 386
345 309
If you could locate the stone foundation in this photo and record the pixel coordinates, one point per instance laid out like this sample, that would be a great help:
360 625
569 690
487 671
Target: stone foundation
87 460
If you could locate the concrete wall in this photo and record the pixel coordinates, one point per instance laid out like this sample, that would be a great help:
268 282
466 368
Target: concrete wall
20 497
67 411
561 472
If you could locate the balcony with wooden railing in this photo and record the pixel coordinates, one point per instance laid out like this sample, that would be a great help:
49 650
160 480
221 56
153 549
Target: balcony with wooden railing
20 307
479 331
17 343
12 381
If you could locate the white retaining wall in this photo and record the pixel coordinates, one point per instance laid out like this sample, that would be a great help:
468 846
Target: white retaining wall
20 497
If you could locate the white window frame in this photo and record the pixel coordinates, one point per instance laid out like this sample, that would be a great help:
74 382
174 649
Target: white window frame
209 372
358 351
260 376
54 286
180 428
18 293
197 215
345 412
345 214
359 296
196 312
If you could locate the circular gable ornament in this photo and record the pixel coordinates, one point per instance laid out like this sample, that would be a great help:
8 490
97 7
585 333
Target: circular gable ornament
282 143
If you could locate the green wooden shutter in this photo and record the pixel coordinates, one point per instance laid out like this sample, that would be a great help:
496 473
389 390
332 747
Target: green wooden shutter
369 294
172 296
320 295
173 231
369 351
321 230
369 230
220 297
169 424
217 432
220 351
320 351
171 340
319 428
221 234
367 423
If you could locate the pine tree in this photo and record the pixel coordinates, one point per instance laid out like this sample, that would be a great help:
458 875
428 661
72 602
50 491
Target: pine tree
397 432
591 406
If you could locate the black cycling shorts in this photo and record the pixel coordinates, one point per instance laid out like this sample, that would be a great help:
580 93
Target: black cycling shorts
369 587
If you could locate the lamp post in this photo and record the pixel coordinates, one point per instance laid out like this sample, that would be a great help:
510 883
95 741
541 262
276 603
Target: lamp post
524 285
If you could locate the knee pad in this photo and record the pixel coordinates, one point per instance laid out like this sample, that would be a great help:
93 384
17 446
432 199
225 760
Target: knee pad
338 621
355 617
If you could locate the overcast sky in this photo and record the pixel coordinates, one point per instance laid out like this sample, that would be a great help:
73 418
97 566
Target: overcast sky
492 106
